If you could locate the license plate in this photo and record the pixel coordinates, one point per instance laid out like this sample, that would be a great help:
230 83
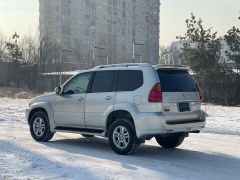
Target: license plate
183 107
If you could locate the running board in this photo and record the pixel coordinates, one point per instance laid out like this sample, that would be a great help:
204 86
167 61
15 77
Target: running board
79 130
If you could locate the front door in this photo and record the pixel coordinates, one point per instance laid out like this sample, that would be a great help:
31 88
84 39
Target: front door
69 106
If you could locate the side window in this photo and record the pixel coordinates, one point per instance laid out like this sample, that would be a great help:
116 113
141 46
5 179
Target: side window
78 84
129 80
103 81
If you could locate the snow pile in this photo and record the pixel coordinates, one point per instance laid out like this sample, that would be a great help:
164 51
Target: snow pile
13 109
222 119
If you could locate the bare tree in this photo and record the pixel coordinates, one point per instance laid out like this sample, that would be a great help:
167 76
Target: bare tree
78 53
112 50
49 53
30 47
166 55
2 47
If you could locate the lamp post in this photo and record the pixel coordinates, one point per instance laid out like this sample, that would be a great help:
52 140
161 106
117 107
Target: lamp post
60 64
42 59
136 44
140 56
105 57
100 48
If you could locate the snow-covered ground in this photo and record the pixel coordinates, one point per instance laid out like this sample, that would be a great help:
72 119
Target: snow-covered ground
213 154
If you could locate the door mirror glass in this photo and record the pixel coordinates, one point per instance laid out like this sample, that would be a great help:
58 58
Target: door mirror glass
58 90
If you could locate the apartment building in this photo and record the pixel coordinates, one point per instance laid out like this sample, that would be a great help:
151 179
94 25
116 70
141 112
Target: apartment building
94 32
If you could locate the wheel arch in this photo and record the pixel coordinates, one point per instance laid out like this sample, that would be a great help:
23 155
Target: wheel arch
34 110
114 115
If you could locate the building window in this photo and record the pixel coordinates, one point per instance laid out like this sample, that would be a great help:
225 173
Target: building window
66 30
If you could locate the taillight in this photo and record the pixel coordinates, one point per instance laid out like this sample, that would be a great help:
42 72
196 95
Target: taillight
155 94
199 92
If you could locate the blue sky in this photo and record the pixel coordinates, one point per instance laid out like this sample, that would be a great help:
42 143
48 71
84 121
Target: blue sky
22 16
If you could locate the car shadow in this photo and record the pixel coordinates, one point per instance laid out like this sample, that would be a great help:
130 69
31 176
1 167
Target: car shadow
173 161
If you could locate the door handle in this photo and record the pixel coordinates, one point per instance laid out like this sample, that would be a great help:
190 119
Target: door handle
108 98
80 99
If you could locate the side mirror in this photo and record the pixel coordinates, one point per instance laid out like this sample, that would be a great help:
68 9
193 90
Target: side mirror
58 90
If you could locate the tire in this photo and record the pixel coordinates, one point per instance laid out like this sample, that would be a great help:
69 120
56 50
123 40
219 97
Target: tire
87 135
170 140
125 144
40 127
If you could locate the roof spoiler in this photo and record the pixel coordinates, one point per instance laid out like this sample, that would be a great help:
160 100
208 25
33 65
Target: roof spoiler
170 66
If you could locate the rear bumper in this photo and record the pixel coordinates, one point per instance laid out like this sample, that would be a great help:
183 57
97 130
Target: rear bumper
150 124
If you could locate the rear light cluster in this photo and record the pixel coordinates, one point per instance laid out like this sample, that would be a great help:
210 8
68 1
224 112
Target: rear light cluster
155 94
199 92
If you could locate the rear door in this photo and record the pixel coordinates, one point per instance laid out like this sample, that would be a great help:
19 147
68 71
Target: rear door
181 100
100 99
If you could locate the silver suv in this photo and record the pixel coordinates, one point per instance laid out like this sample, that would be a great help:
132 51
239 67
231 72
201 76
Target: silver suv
127 103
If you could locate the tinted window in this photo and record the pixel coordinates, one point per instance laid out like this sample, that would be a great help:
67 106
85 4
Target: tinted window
176 81
129 80
78 84
103 81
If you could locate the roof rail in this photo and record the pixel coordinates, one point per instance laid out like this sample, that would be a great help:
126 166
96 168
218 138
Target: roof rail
171 66
123 65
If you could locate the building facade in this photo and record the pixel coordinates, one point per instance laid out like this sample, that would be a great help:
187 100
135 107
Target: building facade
94 32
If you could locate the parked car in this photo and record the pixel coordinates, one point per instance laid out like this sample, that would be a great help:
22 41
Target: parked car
126 103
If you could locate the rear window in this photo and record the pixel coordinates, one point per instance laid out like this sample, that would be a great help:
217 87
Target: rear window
176 81
129 80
